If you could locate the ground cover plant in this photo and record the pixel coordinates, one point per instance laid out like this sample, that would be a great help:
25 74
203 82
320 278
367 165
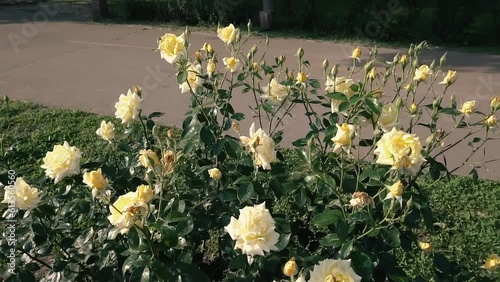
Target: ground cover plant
211 202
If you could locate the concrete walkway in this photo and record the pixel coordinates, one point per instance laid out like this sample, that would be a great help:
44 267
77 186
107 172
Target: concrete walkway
76 64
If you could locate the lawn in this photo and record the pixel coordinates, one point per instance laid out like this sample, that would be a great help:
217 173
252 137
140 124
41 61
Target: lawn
468 213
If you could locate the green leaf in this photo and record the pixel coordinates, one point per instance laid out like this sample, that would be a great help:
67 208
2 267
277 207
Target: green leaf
207 136
219 147
475 176
181 77
330 240
441 263
245 191
344 106
190 131
393 236
359 216
346 249
238 116
133 238
232 147
337 96
374 105
450 111
238 262
268 107
283 241
314 83
155 115
362 264
136 275
169 236
327 217
146 275
228 195
330 182
175 216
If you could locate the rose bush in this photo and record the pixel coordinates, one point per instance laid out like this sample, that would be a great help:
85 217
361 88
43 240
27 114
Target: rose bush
210 204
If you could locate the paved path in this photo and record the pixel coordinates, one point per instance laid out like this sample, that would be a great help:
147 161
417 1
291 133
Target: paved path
75 64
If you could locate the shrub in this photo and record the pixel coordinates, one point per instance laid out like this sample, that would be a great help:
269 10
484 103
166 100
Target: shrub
213 203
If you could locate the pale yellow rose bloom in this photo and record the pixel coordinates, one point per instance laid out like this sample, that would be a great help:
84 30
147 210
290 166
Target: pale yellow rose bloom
261 145
290 268
468 107
211 67
228 34
301 78
106 131
126 211
172 48
95 179
144 194
450 78
301 279
275 93
360 200
128 107
193 81
356 53
404 59
215 173
232 64
491 121
413 109
254 231
343 138
495 104
425 246
388 117
341 85
395 191
372 74
333 270
422 73
21 195
400 150
145 157
62 161
492 262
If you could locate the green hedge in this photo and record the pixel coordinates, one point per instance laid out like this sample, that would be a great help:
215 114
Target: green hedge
451 21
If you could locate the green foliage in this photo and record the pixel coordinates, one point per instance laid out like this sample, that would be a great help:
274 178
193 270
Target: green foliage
202 205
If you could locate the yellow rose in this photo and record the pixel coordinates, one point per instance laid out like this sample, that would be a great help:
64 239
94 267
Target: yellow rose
232 64
21 195
333 270
255 66
372 74
146 156
106 131
168 161
356 53
468 107
62 161
403 60
492 262
228 34
172 47
450 78
262 147
342 139
210 67
290 268
95 180
495 104
491 121
128 107
215 173
400 150
275 93
388 117
193 81
126 212
341 85
422 73
254 231
396 189
144 194
424 246
301 78
413 109
207 48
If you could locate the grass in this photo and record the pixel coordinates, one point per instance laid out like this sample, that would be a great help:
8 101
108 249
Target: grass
468 213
